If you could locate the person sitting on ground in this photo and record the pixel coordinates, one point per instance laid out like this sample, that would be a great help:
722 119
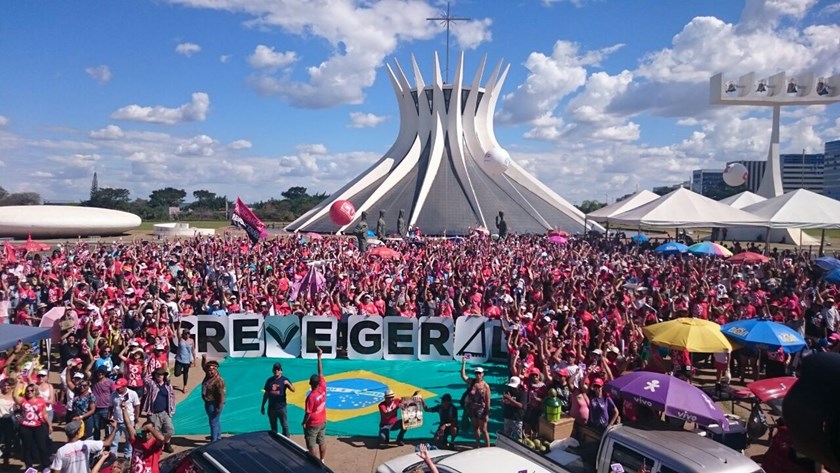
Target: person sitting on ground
388 420
448 425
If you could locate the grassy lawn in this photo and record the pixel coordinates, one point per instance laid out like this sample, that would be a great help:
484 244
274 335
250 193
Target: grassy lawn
148 225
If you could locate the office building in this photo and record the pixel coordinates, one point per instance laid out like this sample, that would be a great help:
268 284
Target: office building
831 174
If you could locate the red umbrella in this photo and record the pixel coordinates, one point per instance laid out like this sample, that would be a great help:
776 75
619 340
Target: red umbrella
748 257
32 246
769 389
384 252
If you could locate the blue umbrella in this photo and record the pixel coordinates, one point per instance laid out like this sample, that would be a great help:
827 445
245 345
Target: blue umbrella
639 238
833 276
828 263
764 334
671 248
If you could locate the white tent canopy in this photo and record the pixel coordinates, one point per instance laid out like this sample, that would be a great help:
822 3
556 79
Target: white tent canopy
683 208
739 201
638 199
798 209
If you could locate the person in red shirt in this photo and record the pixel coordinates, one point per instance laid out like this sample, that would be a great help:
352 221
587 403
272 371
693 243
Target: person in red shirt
315 416
35 428
147 446
388 420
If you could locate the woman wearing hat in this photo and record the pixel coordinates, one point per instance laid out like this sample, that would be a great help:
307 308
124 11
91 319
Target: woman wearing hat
83 405
478 403
46 392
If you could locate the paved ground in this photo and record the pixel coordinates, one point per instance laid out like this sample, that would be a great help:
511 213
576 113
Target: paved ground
344 454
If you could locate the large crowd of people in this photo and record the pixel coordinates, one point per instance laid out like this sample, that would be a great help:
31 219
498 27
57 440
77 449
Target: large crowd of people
573 314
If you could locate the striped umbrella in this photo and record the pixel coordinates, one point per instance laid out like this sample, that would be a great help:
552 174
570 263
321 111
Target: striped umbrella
709 249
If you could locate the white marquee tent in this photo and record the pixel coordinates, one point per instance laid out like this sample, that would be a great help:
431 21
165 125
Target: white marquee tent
739 201
683 208
638 199
798 209
779 235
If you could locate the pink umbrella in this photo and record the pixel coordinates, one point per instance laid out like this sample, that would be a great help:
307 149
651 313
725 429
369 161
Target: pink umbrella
557 240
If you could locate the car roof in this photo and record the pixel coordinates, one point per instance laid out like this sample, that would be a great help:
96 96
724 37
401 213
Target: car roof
495 459
257 452
686 451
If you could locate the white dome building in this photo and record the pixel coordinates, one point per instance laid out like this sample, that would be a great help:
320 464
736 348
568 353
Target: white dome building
60 221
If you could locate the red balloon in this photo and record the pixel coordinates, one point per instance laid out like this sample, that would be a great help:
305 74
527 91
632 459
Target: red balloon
342 212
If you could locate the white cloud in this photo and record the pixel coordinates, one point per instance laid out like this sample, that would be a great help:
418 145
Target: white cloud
225 58
265 57
472 34
3 121
187 49
550 79
110 132
201 145
313 148
360 35
101 74
365 120
240 144
766 14
196 110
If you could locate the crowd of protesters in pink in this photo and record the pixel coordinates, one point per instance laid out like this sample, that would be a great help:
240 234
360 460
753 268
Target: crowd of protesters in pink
573 312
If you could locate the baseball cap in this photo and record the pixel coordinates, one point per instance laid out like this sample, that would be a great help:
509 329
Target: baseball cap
160 347
597 382
73 428
121 383
479 370
597 351
514 382
43 373
79 375
277 366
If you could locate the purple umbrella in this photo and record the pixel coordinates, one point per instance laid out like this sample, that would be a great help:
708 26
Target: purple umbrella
669 394
312 284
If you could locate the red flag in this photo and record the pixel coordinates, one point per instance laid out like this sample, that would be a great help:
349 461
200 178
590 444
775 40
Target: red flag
245 219
11 256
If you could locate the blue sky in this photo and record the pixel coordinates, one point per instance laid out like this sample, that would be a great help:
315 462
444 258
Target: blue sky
250 97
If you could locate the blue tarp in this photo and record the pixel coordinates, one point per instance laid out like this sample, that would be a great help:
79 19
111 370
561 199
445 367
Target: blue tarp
11 333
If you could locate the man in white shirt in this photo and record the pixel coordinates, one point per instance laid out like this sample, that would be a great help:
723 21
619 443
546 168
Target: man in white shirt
74 456
129 397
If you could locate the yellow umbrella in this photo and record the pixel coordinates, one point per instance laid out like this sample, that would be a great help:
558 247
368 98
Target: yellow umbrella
686 333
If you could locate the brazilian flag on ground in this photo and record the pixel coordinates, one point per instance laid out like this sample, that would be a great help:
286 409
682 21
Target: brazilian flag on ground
354 389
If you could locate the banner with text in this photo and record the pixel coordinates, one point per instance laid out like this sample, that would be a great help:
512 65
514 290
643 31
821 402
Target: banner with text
367 338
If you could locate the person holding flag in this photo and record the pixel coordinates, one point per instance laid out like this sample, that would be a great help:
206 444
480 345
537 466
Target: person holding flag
244 218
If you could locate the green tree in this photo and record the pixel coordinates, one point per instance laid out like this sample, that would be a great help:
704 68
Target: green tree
295 193
590 206
109 198
167 197
203 196
20 198
94 186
